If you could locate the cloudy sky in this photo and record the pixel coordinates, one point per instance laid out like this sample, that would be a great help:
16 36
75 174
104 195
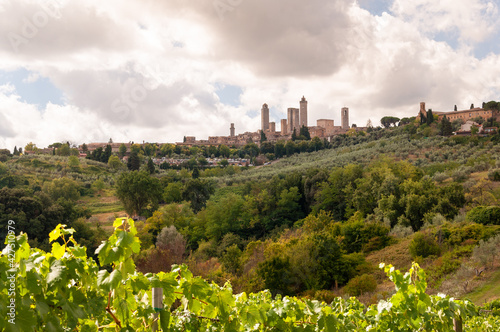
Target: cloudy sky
156 70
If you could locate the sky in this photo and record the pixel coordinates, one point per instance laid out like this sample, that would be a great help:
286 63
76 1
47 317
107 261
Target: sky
158 70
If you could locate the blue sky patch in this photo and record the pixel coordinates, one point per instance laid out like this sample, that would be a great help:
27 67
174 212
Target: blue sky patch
275 115
39 91
450 38
487 47
229 94
375 7
178 44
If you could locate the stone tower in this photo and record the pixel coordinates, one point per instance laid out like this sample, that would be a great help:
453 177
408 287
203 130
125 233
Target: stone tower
284 127
232 130
422 109
265 118
345 118
296 120
290 120
303 112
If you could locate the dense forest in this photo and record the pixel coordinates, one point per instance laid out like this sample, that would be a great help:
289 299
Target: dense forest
315 223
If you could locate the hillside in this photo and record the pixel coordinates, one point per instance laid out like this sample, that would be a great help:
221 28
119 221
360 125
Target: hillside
314 224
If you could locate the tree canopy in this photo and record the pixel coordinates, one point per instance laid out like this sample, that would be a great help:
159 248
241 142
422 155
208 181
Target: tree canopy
137 190
387 121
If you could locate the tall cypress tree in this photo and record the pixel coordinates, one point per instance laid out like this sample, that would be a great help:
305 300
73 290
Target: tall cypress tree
430 117
304 131
151 166
446 127
134 162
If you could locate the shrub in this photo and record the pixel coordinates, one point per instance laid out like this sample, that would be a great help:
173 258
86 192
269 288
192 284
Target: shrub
424 245
276 275
361 284
473 232
494 174
440 177
485 215
494 306
366 236
400 231
324 295
231 259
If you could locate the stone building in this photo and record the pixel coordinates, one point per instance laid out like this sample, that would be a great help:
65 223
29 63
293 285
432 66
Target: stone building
328 125
115 147
467 114
317 131
303 112
345 118
463 115
264 118
293 119
284 127
296 119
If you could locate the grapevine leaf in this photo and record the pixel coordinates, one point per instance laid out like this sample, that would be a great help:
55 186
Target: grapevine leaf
56 273
55 234
58 250
33 282
106 253
108 281
66 231
421 307
53 324
42 307
118 222
78 251
165 320
139 283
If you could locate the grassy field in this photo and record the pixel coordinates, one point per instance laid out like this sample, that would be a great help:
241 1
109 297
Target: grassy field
104 202
489 291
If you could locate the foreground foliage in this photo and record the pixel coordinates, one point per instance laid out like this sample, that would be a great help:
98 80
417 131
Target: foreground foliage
65 290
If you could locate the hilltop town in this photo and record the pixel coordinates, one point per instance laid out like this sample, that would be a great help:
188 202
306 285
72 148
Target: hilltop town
464 123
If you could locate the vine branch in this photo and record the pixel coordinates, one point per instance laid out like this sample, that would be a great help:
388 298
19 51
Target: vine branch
108 309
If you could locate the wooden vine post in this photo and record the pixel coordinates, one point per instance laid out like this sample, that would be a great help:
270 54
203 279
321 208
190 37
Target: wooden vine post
457 324
157 298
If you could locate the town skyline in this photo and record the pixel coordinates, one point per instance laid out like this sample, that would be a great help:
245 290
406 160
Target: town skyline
324 128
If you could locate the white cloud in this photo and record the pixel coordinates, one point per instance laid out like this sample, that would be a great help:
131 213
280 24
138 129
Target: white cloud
146 70
473 20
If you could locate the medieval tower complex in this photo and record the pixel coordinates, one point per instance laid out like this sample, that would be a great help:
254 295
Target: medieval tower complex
296 119
345 118
265 118
303 112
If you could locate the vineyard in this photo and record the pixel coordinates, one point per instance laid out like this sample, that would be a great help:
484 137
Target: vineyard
64 290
